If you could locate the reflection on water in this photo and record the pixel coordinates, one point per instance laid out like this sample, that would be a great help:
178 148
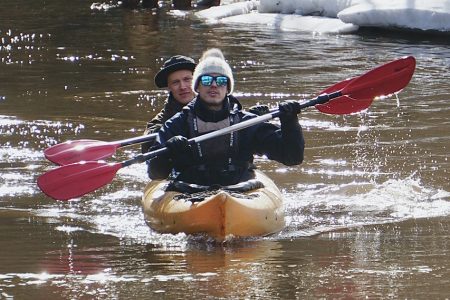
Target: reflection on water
367 212
368 261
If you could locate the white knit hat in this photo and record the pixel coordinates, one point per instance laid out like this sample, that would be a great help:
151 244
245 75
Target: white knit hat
213 61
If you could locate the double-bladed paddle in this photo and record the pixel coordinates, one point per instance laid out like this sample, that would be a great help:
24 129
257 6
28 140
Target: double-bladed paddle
375 82
86 150
350 96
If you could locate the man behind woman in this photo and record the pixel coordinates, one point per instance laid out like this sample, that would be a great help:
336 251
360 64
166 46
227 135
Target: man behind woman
227 159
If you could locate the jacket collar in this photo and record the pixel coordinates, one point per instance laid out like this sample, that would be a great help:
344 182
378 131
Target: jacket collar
208 115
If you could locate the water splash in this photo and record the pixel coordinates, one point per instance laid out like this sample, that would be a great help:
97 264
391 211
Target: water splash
322 208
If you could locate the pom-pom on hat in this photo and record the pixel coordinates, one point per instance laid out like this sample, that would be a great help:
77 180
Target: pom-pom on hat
213 61
175 63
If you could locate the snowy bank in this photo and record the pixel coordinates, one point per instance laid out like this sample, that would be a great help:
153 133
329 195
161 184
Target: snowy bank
335 16
422 15
324 8
294 23
246 13
219 12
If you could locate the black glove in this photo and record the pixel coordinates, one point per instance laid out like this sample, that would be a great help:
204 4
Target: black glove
145 147
288 113
179 150
259 110
289 108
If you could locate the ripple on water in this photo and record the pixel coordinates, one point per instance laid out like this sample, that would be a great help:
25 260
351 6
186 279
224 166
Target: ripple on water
321 208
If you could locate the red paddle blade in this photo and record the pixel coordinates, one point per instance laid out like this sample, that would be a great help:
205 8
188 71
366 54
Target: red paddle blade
75 180
385 80
344 104
359 92
67 146
81 150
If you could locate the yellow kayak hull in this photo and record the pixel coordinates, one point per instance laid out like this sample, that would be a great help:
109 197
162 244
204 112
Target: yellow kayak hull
258 212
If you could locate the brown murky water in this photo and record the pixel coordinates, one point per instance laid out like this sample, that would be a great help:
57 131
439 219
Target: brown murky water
367 212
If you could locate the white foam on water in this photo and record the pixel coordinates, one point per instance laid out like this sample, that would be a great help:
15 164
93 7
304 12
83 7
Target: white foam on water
322 208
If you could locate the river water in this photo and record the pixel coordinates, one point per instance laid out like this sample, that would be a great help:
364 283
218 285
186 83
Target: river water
367 212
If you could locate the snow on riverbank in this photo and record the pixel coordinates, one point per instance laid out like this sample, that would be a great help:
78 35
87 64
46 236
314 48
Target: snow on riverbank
294 22
422 15
246 13
335 16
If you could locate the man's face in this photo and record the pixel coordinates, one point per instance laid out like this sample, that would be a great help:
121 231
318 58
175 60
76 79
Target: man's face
212 95
180 84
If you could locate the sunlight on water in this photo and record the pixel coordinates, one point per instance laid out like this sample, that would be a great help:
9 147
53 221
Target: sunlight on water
312 210
11 155
115 209
136 172
92 57
116 213
9 188
322 208
21 48
104 5
43 132
9 121
17 177
87 73
68 229
18 158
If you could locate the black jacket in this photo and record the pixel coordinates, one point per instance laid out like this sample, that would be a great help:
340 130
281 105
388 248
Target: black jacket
171 107
285 145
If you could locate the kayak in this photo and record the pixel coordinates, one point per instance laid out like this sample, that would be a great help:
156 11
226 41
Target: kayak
219 214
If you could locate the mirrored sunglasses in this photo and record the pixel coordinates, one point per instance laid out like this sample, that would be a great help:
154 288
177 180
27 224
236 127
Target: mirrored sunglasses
207 80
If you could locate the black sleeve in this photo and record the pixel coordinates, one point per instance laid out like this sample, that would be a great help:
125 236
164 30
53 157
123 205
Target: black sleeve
285 144
292 138
159 167
147 146
154 125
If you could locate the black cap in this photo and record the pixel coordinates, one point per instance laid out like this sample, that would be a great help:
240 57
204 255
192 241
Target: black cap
175 63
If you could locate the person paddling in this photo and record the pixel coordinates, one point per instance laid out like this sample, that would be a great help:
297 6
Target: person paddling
176 75
228 159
